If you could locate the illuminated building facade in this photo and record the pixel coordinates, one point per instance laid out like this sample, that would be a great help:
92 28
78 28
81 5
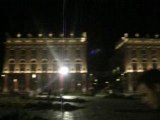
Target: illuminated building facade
33 63
135 56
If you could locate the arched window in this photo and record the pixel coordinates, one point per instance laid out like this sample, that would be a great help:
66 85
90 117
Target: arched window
78 65
22 65
11 61
78 61
22 61
144 64
11 65
33 65
154 63
44 65
44 61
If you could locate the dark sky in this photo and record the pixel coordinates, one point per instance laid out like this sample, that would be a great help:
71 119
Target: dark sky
105 21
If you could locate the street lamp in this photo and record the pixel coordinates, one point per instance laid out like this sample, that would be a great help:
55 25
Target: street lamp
63 71
35 81
5 83
34 76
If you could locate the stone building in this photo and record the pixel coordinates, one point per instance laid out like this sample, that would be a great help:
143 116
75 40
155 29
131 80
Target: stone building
136 55
35 63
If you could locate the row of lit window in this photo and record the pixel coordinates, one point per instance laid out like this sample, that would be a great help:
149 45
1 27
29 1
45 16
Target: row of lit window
144 60
44 67
144 65
144 52
22 61
34 52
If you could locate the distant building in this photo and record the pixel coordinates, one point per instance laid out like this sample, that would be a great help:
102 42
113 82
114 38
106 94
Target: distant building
33 63
134 56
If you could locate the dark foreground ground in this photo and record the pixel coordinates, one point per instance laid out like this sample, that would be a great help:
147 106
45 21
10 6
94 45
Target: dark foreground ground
99 108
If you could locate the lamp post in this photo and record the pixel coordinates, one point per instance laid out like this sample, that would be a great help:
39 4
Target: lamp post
5 83
35 82
63 71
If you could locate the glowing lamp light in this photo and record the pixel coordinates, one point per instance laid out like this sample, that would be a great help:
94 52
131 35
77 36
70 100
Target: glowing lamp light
18 35
34 76
63 70
2 75
40 35
15 80
117 79
83 39
50 35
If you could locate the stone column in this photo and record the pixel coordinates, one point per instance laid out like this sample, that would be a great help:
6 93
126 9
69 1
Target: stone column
5 83
38 83
72 85
84 83
61 83
27 82
15 84
130 83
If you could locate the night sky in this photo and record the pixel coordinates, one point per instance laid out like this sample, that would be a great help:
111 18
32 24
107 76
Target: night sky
105 21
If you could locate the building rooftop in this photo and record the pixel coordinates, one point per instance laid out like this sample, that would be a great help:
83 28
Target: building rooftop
137 40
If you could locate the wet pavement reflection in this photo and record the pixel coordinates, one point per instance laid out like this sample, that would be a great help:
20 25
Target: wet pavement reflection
99 108
105 109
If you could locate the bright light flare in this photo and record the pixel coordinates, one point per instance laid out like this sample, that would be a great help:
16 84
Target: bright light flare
63 70
34 76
